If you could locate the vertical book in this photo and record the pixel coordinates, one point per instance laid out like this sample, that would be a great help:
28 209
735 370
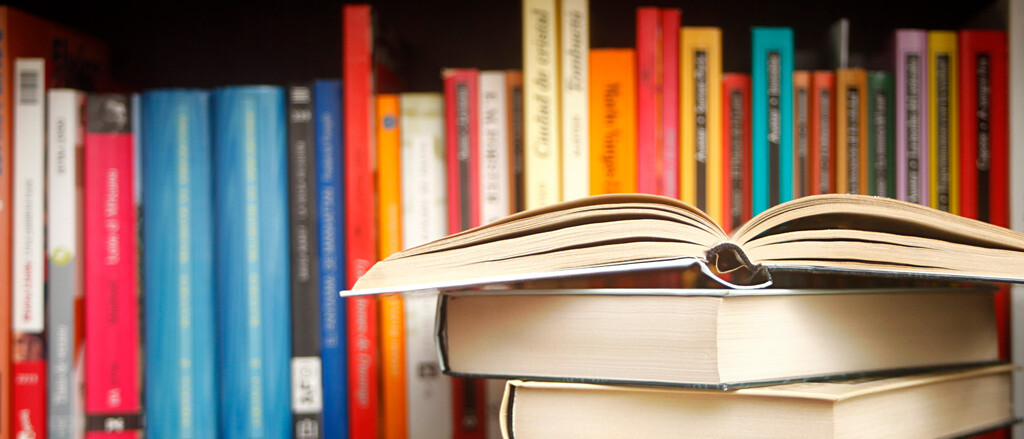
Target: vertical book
542 147
772 113
613 121
574 45
910 64
943 123
700 76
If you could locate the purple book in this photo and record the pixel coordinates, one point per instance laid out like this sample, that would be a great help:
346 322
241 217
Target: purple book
910 67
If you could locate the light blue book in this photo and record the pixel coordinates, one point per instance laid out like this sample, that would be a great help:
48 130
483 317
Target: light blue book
331 228
251 217
180 337
772 116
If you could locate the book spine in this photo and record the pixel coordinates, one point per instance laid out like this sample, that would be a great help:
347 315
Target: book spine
331 254
943 124
542 149
514 82
389 220
64 262
613 151
360 223
736 149
112 391
29 254
911 78
772 112
671 20
881 139
823 126
701 118
251 199
495 201
801 132
851 129
430 391
306 382
574 46
6 180
461 116
180 335
648 101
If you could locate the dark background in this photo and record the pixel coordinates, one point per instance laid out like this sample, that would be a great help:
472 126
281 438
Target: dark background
206 44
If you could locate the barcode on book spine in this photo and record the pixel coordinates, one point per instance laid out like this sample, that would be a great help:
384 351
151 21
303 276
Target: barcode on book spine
29 90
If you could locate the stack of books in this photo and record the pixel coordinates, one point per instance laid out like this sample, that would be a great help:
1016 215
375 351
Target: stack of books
898 351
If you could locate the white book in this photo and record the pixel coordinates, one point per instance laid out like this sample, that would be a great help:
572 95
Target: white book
1015 21
542 141
28 192
495 193
574 59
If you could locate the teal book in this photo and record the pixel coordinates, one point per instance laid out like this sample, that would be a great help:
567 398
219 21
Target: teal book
882 134
180 338
251 233
772 116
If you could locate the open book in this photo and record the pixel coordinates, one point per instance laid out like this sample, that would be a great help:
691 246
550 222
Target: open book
627 232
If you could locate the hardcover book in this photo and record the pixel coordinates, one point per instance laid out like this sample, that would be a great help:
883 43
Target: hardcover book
943 123
517 180
851 131
700 151
881 140
671 20
542 127
463 148
573 47
613 127
823 133
801 132
736 149
772 113
649 80
911 77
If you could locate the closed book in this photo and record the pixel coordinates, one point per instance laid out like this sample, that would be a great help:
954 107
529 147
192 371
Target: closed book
178 269
943 123
700 100
514 95
495 160
772 112
306 382
542 127
910 64
251 229
801 132
463 147
613 121
823 133
736 149
28 251
649 54
64 347
331 254
967 401
881 139
573 47
671 20
112 356
851 131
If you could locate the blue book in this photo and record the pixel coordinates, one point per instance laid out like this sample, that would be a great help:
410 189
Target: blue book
180 343
331 228
771 116
251 206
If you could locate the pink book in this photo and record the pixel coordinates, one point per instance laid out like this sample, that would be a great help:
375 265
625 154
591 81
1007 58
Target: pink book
648 51
112 390
671 20
911 72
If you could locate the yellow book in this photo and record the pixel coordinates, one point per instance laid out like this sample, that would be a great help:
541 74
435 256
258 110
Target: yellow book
943 122
542 155
613 121
852 131
700 119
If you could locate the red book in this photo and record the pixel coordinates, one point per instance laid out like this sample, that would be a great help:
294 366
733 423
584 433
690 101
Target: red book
360 220
112 353
822 133
736 155
671 20
648 55
460 107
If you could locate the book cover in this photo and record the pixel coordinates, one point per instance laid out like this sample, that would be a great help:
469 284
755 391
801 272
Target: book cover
574 45
823 133
514 95
331 254
389 226
649 55
736 149
29 254
64 347
700 97
462 140
360 220
910 64
881 140
943 123
801 132
771 120
671 20
178 266
542 132
112 387
306 382
613 116
495 161
851 131
251 229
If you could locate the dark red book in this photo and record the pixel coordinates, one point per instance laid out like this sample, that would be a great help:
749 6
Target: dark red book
736 155
648 99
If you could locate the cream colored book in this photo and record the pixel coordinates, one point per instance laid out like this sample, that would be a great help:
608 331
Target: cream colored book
575 45
542 155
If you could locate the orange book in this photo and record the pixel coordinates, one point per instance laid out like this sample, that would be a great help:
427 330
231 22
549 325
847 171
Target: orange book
613 121
851 131
801 133
822 133
389 240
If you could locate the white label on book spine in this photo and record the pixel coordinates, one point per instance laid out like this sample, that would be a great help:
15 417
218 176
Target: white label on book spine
495 194
307 396
28 251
